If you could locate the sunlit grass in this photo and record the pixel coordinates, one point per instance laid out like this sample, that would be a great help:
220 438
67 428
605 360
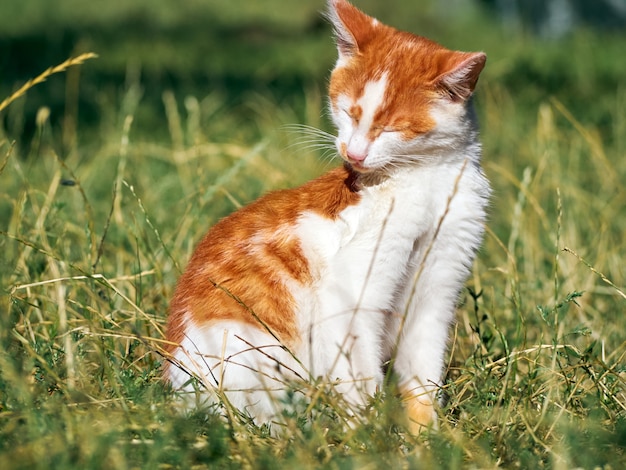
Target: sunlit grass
92 244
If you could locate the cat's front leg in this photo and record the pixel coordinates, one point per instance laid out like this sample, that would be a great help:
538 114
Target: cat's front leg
418 362
425 309
345 350
418 343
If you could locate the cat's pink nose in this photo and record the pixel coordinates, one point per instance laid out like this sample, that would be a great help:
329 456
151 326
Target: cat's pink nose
357 149
356 156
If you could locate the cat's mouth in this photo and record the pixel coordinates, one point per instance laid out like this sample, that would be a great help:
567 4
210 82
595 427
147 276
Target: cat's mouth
359 167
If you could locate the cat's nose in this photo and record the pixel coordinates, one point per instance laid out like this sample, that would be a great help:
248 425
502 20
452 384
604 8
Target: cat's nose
356 156
357 148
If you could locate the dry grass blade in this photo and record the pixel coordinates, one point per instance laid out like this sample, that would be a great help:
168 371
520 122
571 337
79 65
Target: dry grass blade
595 271
6 157
44 76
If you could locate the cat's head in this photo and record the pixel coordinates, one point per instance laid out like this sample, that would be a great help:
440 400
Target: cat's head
396 97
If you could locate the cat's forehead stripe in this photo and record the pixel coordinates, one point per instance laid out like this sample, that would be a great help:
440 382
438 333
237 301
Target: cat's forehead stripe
372 100
396 72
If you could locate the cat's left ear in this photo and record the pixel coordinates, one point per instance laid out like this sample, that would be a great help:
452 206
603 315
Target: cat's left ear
461 77
353 28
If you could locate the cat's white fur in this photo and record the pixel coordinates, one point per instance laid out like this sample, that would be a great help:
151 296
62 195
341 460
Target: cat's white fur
387 274
355 137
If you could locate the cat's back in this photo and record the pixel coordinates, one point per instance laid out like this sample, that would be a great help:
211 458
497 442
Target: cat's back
242 269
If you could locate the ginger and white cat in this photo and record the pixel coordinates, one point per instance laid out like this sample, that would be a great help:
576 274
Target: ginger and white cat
359 266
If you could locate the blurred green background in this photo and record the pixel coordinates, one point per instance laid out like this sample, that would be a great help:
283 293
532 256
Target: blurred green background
282 47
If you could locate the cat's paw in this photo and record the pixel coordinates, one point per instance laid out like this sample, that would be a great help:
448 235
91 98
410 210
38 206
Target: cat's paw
421 414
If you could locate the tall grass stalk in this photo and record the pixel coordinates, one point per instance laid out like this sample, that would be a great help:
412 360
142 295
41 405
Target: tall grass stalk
62 67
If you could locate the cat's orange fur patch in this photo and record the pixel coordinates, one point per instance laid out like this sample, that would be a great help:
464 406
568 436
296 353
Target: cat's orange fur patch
230 278
420 412
356 112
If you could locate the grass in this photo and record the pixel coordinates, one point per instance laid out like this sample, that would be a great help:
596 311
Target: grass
93 237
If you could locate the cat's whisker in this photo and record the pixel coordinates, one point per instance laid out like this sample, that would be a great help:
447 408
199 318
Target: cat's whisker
312 139
330 151
311 147
306 129
328 158
326 112
318 136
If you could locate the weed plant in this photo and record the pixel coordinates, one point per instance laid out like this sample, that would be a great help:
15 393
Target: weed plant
93 238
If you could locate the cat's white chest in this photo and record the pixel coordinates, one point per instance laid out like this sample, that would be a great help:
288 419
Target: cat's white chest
362 255
364 261
366 253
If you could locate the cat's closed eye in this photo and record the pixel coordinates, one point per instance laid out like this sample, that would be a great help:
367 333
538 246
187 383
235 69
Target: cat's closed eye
350 114
389 129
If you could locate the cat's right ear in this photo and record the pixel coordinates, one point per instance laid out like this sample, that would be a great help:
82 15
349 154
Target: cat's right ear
460 80
353 28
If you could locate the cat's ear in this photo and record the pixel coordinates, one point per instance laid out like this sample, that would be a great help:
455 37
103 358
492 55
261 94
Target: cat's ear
461 77
353 28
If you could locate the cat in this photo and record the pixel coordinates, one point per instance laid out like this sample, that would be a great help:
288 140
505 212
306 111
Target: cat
360 266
